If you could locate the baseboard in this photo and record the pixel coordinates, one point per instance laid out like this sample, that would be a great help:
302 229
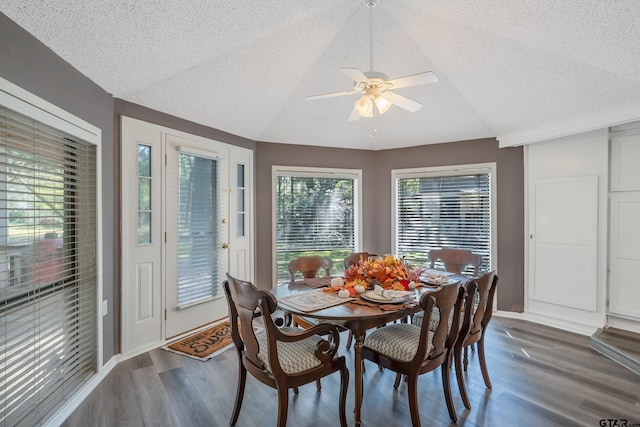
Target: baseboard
508 314
624 324
565 325
614 353
69 406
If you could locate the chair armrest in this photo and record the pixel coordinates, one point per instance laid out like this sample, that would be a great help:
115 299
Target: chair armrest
325 349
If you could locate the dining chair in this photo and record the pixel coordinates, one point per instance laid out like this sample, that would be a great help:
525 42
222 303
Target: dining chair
281 358
455 260
355 257
412 350
481 311
309 266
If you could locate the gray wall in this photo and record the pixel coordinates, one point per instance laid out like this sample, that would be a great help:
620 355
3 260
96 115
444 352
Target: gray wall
29 64
377 196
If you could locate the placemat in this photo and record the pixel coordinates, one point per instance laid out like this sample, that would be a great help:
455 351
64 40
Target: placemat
313 300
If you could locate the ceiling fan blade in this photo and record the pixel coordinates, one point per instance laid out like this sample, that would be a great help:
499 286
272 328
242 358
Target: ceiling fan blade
406 103
355 74
354 115
330 95
414 80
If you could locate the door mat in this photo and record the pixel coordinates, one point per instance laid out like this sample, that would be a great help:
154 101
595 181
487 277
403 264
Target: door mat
205 344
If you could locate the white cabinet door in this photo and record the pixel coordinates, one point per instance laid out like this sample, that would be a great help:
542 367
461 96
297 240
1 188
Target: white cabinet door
624 285
563 241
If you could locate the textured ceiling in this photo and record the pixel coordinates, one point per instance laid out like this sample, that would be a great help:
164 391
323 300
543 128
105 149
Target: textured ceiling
245 66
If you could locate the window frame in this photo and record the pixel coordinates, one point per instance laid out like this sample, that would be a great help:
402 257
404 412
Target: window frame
313 172
451 170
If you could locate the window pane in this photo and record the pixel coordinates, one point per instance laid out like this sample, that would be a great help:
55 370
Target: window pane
443 211
144 160
240 175
240 228
144 194
315 216
144 228
240 200
198 275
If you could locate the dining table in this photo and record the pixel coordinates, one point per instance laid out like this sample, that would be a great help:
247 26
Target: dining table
356 314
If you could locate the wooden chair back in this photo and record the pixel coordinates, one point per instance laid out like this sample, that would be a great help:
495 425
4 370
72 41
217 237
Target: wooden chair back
309 266
455 260
448 301
243 301
356 257
482 310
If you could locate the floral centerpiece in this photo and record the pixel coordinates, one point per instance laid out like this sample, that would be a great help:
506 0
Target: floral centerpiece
389 272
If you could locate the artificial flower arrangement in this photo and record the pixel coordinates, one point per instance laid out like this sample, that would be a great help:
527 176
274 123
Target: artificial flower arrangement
389 272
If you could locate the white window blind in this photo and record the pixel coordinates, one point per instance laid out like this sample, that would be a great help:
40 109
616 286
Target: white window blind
48 268
198 270
443 210
315 215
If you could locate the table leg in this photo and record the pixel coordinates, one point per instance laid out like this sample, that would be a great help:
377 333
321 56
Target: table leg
357 348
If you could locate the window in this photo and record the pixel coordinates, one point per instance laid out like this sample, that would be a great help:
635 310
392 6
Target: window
316 213
48 267
198 218
443 207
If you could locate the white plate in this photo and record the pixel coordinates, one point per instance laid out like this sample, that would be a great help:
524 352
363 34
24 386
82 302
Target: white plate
373 297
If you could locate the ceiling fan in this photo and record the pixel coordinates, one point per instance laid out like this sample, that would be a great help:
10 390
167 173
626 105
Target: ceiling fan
375 87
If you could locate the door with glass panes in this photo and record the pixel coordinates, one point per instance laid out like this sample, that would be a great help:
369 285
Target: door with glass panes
191 214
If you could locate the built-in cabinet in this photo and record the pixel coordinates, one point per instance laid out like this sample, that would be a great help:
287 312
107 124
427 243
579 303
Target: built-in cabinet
624 256
583 230
566 231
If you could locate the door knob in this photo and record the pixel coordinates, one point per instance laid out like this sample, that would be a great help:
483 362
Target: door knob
225 246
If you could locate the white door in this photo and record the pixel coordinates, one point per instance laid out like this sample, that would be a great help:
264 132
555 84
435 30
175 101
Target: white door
187 220
142 244
197 233
563 241
624 292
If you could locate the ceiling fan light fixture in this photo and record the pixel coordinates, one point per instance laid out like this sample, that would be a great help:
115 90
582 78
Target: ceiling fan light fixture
383 103
364 106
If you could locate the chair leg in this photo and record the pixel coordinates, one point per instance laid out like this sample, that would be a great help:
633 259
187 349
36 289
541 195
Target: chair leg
457 356
466 358
283 404
413 400
242 379
349 340
344 383
483 363
396 384
318 385
446 385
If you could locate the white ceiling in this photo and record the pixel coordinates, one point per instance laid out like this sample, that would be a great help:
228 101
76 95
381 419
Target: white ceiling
245 66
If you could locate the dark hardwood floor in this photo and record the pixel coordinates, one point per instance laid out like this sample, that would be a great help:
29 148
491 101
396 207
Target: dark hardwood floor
541 377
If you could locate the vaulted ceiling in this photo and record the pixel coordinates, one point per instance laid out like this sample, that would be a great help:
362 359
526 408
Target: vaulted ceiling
245 66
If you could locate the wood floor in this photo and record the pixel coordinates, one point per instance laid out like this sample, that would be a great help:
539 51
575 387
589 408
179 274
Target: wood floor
541 377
